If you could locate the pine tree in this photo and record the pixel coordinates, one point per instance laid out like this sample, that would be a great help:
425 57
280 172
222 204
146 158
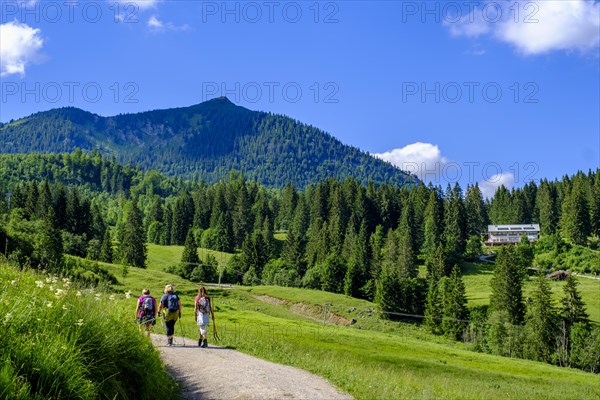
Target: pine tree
434 222
454 309
546 208
434 306
358 264
183 217
594 201
475 211
31 201
437 263
44 200
574 222
106 251
540 323
407 263
573 307
507 286
501 207
334 272
242 217
387 290
132 249
189 257
455 224
60 206
50 247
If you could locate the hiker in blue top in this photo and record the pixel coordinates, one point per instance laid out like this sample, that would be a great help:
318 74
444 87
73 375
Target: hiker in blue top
172 303
145 312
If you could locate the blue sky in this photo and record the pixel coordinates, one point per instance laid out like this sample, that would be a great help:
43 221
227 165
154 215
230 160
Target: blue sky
489 92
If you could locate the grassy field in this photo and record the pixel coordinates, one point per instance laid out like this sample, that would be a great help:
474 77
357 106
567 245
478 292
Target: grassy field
372 358
61 341
477 278
161 257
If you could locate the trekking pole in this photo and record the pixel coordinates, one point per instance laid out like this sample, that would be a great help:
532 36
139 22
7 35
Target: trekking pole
182 332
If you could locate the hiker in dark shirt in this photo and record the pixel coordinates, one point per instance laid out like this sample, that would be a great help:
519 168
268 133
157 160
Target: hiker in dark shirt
172 303
145 312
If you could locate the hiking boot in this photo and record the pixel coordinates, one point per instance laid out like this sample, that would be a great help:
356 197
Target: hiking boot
170 341
200 343
205 343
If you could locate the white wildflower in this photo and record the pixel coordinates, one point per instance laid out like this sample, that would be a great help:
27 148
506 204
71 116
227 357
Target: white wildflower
79 322
112 297
49 304
78 294
128 295
39 284
7 317
13 281
98 296
59 292
48 280
64 307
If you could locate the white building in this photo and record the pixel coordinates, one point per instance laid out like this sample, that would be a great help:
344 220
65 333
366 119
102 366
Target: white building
510 234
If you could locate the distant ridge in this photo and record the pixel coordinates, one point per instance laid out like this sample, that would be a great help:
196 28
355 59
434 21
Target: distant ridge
203 141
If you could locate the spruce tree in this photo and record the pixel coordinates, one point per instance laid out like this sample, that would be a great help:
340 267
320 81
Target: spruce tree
434 305
49 248
454 310
358 265
434 222
132 249
475 211
106 251
407 263
575 222
189 257
540 323
455 229
573 307
507 286
546 208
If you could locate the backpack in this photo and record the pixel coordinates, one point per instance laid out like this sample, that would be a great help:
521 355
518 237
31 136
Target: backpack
148 306
204 306
172 302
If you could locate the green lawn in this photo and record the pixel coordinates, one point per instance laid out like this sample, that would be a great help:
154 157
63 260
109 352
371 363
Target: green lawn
160 257
477 278
372 358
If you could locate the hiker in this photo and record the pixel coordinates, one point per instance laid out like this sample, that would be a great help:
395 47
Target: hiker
202 311
172 303
145 311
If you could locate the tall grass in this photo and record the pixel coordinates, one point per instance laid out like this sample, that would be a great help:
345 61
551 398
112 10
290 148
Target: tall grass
60 341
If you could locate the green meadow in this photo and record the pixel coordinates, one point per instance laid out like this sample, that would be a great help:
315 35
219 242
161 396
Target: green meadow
370 359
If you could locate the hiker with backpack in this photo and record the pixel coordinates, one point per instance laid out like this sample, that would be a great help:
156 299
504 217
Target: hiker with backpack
145 312
172 303
203 310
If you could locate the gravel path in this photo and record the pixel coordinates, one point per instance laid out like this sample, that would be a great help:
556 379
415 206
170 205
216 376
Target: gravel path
219 373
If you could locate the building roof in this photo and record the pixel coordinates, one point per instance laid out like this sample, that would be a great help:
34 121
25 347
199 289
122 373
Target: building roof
514 228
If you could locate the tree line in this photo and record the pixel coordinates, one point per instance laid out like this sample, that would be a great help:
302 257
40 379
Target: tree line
365 241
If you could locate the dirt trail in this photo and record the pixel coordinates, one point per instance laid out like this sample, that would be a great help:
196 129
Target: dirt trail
219 373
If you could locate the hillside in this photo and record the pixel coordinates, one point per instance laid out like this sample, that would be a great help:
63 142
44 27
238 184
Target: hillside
204 141
373 358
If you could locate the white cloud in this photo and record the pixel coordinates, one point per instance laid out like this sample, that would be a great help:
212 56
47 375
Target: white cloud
140 4
154 23
19 45
157 25
536 27
488 187
424 160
